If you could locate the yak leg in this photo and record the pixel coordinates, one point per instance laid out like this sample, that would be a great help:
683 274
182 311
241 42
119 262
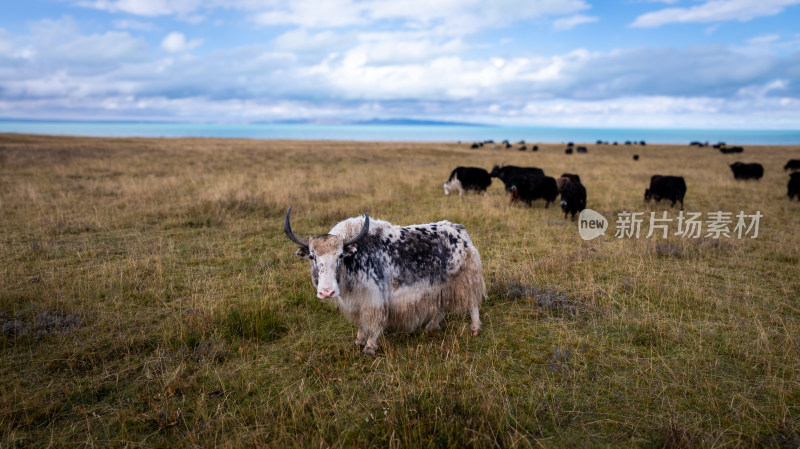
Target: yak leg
373 321
360 337
372 342
475 327
433 324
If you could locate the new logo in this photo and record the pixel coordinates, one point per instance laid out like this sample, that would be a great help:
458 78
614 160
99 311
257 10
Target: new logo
591 224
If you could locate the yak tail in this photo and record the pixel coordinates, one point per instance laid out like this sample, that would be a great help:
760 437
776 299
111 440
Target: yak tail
466 288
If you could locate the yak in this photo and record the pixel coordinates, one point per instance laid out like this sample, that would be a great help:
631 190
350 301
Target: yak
382 276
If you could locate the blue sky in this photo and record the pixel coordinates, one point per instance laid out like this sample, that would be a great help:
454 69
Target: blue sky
632 63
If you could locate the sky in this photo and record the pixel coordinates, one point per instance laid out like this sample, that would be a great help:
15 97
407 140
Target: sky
718 64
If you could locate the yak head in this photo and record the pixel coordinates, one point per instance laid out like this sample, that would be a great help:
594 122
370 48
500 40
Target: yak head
496 172
325 253
647 195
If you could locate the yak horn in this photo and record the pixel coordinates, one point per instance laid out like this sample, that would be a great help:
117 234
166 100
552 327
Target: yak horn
364 231
287 228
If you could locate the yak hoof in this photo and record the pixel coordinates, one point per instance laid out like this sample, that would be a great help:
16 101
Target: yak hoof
369 351
475 332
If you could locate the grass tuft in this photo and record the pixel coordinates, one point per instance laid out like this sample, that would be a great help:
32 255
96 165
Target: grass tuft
262 324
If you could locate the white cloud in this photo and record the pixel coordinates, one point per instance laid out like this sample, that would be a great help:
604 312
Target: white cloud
714 11
763 40
624 112
133 25
473 13
137 7
579 74
148 8
6 43
568 23
757 91
315 14
302 41
391 47
60 42
401 48
176 43
769 44
451 14
411 72
444 17
110 46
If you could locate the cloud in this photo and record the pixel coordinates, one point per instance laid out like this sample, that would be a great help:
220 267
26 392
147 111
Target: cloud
714 11
315 14
148 8
568 23
390 47
769 44
59 43
176 43
625 112
429 72
579 74
423 72
302 41
401 48
6 43
112 46
446 16
144 7
133 25
465 17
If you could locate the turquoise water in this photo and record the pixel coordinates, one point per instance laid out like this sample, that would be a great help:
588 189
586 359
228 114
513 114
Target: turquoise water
437 133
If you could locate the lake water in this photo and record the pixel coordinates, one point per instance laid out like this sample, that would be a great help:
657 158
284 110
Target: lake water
401 132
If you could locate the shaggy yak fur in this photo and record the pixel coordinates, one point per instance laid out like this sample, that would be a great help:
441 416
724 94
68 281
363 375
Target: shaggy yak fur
382 276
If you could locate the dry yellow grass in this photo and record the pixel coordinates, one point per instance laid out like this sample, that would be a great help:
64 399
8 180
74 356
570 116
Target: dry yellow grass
149 298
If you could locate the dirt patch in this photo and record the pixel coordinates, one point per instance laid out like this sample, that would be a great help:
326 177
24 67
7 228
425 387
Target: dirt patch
673 250
674 436
560 361
200 352
45 323
546 297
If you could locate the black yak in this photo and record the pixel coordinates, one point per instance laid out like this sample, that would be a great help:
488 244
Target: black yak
672 188
747 171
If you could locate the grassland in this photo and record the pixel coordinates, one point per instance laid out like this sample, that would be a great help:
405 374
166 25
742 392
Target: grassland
148 298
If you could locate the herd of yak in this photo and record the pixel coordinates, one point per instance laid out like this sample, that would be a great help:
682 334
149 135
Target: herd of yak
527 184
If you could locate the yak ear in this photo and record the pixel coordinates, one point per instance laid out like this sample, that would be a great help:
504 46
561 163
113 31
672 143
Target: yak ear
349 250
303 252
